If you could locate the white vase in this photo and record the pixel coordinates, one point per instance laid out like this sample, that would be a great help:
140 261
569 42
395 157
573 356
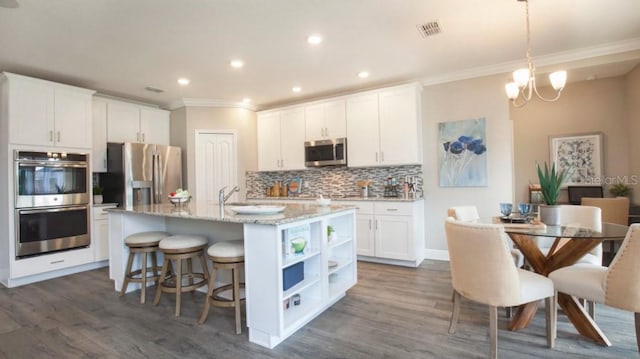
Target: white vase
549 214
97 199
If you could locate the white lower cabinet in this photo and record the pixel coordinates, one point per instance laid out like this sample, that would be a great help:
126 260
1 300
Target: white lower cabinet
50 262
390 232
305 283
100 233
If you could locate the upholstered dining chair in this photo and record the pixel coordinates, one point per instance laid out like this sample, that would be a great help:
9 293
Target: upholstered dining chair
614 210
587 216
617 286
482 270
470 214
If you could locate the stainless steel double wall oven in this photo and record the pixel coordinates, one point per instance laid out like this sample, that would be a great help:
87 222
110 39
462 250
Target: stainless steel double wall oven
51 201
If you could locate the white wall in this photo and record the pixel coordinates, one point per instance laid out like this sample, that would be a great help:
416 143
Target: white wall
469 99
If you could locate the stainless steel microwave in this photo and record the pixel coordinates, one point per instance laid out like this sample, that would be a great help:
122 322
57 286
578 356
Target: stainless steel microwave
325 152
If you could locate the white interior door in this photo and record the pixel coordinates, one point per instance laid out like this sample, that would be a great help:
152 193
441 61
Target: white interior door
216 165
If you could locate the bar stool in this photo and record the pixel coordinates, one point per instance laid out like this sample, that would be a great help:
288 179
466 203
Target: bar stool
143 242
177 248
225 255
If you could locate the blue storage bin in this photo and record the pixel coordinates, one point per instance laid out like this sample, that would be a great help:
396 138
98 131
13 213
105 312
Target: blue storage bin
292 275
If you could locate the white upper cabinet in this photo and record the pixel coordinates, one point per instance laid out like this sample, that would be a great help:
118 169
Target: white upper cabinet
154 126
44 113
292 138
128 122
325 120
99 154
281 140
123 122
384 127
400 129
363 133
269 141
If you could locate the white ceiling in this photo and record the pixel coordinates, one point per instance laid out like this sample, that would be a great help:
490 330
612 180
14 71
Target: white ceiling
118 47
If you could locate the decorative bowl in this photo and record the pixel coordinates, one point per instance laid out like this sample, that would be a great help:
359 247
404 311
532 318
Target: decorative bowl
179 199
298 244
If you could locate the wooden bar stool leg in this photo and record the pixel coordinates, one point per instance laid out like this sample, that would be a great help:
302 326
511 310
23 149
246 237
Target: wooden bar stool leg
143 278
190 270
205 268
163 272
154 264
236 298
212 282
178 285
127 273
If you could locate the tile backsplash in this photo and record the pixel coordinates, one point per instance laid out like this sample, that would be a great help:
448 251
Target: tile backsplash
334 181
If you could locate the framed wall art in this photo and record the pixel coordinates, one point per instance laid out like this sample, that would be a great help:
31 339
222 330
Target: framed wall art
463 153
581 154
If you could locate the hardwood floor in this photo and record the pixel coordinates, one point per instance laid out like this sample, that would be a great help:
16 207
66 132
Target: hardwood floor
393 312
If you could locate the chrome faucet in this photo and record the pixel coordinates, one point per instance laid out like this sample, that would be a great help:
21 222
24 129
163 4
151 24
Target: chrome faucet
222 198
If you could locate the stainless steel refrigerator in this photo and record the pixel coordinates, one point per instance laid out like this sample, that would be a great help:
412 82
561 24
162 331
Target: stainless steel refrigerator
140 173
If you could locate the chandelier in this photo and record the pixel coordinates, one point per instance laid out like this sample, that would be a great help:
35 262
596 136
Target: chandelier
524 80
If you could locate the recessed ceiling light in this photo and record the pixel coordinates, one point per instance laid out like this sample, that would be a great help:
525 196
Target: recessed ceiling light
246 100
236 64
296 89
363 74
314 39
183 81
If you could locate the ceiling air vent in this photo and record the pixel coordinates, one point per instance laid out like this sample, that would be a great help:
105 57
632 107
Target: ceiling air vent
154 89
429 28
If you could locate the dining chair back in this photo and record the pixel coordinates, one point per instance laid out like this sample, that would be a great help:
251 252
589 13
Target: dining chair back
482 270
585 216
470 214
614 210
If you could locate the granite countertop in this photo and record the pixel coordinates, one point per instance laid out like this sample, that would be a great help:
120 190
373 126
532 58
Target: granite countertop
337 199
293 212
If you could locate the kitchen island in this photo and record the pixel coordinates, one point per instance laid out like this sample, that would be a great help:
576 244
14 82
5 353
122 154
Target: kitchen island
321 274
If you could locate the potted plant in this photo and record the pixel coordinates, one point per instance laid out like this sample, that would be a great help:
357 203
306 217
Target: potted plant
550 183
97 194
331 233
620 190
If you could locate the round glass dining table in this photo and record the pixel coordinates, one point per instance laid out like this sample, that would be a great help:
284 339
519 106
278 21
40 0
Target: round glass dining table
571 243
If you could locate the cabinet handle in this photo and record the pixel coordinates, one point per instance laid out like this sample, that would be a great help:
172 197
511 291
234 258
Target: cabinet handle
58 140
138 136
50 136
143 137
56 262
105 162
376 224
369 224
376 156
392 209
382 156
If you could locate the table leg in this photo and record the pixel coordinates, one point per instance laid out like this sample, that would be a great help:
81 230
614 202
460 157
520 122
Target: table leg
523 316
581 320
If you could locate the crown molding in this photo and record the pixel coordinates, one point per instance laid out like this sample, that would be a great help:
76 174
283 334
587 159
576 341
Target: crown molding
206 102
604 50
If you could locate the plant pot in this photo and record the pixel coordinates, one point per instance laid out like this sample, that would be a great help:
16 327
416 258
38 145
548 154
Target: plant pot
549 215
97 199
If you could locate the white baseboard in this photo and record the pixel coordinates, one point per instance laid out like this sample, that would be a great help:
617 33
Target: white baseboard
436 254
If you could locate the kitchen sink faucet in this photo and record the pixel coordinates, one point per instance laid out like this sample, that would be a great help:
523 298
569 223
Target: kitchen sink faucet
222 198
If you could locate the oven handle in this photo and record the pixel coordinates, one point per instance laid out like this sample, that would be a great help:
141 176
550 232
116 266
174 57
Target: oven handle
49 210
49 164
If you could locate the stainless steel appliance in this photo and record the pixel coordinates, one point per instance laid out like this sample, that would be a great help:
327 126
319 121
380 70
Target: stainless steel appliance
47 229
139 173
325 152
51 201
44 179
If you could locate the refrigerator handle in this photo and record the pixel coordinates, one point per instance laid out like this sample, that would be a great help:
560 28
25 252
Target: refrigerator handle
156 178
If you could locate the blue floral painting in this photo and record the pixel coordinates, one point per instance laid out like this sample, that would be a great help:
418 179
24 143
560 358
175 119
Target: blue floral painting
463 153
